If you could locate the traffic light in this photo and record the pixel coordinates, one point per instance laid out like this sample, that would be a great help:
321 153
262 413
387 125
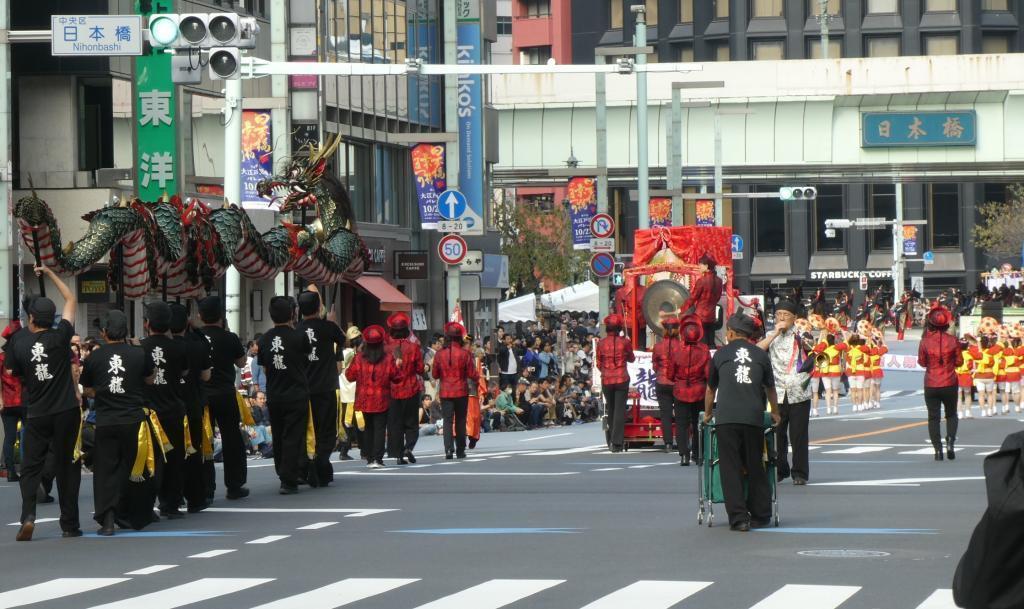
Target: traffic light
618 274
224 63
220 35
798 193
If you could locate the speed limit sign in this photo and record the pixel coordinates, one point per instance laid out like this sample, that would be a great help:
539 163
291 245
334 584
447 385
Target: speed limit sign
451 249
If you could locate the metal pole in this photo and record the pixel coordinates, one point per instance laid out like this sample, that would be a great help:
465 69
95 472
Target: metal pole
675 158
823 18
279 117
897 246
7 307
643 195
451 123
601 116
719 215
232 189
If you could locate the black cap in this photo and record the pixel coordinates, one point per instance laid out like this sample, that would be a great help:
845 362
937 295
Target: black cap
210 308
309 303
115 324
179 317
742 323
43 311
787 305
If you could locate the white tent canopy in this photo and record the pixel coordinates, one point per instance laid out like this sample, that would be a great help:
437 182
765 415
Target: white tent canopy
580 297
523 308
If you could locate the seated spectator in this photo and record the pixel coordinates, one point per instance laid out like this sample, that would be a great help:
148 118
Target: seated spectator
547 398
547 362
430 416
535 406
488 405
587 408
506 413
566 398
261 437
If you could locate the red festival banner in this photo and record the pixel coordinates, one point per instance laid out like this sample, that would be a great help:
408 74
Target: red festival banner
660 211
705 209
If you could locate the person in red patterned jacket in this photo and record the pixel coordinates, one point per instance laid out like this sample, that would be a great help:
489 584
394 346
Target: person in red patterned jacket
404 412
690 378
12 410
940 355
613 353
454 367
373 371
662 360
704 297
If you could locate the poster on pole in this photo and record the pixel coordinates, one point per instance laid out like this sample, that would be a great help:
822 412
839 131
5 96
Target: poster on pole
582 195
660 211
428 168
257 157
909 240
705 209
471 125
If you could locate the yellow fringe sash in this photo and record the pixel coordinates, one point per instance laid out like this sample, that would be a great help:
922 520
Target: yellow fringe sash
77 453
207 435
342 434
144 457
310 434
189 449
244 411
165 442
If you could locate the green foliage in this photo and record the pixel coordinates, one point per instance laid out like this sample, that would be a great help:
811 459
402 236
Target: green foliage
538 244
1000 231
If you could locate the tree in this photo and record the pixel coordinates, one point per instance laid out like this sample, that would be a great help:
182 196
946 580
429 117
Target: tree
1000 232
538 244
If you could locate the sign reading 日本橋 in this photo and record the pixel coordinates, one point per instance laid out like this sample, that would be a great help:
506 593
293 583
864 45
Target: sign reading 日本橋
918 129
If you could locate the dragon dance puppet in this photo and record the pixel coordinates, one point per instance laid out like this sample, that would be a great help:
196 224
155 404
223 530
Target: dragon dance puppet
182 248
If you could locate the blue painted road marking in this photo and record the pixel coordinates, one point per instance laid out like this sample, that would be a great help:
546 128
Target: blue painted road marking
850 531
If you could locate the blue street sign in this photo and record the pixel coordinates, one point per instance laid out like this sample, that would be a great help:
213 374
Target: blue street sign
737 244
451 205
928 257
602 264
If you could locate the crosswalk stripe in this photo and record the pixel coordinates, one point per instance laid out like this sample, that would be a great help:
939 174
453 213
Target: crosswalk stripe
186 594
567 451
316 525
985 453
857 450
807 597
940 599
889 394
922 451
211 554
38 521
606 469
151 570
268 539
492 594
54 589
649 595
338 594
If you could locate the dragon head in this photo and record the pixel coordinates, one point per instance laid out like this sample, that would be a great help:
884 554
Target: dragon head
301 184
32 210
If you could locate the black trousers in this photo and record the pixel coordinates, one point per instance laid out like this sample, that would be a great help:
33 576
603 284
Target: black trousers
371 442
57 433
288 422
194 475
224 414
687 414
403 425
116 447
615 407
709 334
665 403
794 428
455 408
324 408
172 479
934 399
507 380
740 450
10 417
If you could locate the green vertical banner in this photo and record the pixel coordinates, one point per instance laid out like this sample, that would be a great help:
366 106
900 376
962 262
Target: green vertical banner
156 127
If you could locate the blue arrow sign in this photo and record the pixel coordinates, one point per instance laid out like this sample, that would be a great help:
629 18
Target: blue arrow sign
451 205
928 257
737 244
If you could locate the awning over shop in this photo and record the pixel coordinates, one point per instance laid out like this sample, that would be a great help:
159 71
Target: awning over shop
523 308
390 298
580 297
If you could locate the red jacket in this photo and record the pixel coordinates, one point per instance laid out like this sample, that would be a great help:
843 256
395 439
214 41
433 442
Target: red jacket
11 386
409 381
453 366
662 359
704 297
613 353
940 356
373 382
690 371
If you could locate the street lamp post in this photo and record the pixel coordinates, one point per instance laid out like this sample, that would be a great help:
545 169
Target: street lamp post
642 174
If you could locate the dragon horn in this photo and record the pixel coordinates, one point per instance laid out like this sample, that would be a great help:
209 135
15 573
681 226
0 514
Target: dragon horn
326 150
32 186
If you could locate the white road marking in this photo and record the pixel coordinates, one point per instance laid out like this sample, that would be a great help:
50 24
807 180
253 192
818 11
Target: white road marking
896 445
649 595
54 589
807 597
567 451
940 599
349 512
864 419
211 554
606 469
493 594
268 539
338 594
473 460
501 457
316 526
151 570
187 594
38 521
889 394
897 481
986 453
924 451
397 473
856 450
557 435
645 466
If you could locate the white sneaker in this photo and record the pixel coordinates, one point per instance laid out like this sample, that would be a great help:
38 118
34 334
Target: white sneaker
1006 410
814 412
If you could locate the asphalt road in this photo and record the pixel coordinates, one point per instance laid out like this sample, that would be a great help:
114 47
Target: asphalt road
546 519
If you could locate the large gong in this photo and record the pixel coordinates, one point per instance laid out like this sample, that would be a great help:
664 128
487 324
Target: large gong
662 298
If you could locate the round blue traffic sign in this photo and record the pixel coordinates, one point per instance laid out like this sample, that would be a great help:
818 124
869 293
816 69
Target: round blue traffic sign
602 264
451 205
737 244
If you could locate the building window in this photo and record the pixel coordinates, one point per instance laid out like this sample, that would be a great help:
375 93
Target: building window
685 11
882 205
883 7
940 6
537 8
764 50
652 12
766 8
835 48
995 5
615 13
814 7
941 45
995 193
770 220
995 43
95 124
883 46
721 50
504 26
684 52
945 216
828 206
721 9
534 55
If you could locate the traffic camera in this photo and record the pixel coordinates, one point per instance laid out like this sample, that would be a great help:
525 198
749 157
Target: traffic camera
798 193
834 223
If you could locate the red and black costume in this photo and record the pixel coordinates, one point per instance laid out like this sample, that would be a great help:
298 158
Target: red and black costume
704 297
453 366
662 359
940 355
373 375
403 415
690 382
613 353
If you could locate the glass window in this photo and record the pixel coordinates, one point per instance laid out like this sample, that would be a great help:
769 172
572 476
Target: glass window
615 12
995 5
537 8
941 45
762 50
721 51
835 48
814 7
939 6
995 193
770 220
652 12
828 206
995 43
685 52
721 9
883 46
883 7
882 205
766 8
945 216
360 172
534 55
504 26
685 11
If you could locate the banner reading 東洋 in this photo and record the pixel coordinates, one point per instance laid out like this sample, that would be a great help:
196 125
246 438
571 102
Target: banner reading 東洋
660 211
428 168
257 157
582 195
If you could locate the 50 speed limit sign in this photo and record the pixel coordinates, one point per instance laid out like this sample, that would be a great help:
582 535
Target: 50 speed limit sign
451 249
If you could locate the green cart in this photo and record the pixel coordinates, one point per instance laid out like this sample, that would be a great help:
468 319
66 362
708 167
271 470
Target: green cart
709 477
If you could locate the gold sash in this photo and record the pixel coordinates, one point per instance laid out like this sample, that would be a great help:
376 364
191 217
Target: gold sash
189 449
144 457
165 442
244 411
207 435
310 434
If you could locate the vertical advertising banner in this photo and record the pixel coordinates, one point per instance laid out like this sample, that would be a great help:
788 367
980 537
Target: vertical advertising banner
428 168
582 197
425 95
705 209
660 211
909 240
470 115
257 158
156 164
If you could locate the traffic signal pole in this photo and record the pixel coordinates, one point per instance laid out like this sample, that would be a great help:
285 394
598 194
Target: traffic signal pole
643 185
601 118
232 190
451 124
897 246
